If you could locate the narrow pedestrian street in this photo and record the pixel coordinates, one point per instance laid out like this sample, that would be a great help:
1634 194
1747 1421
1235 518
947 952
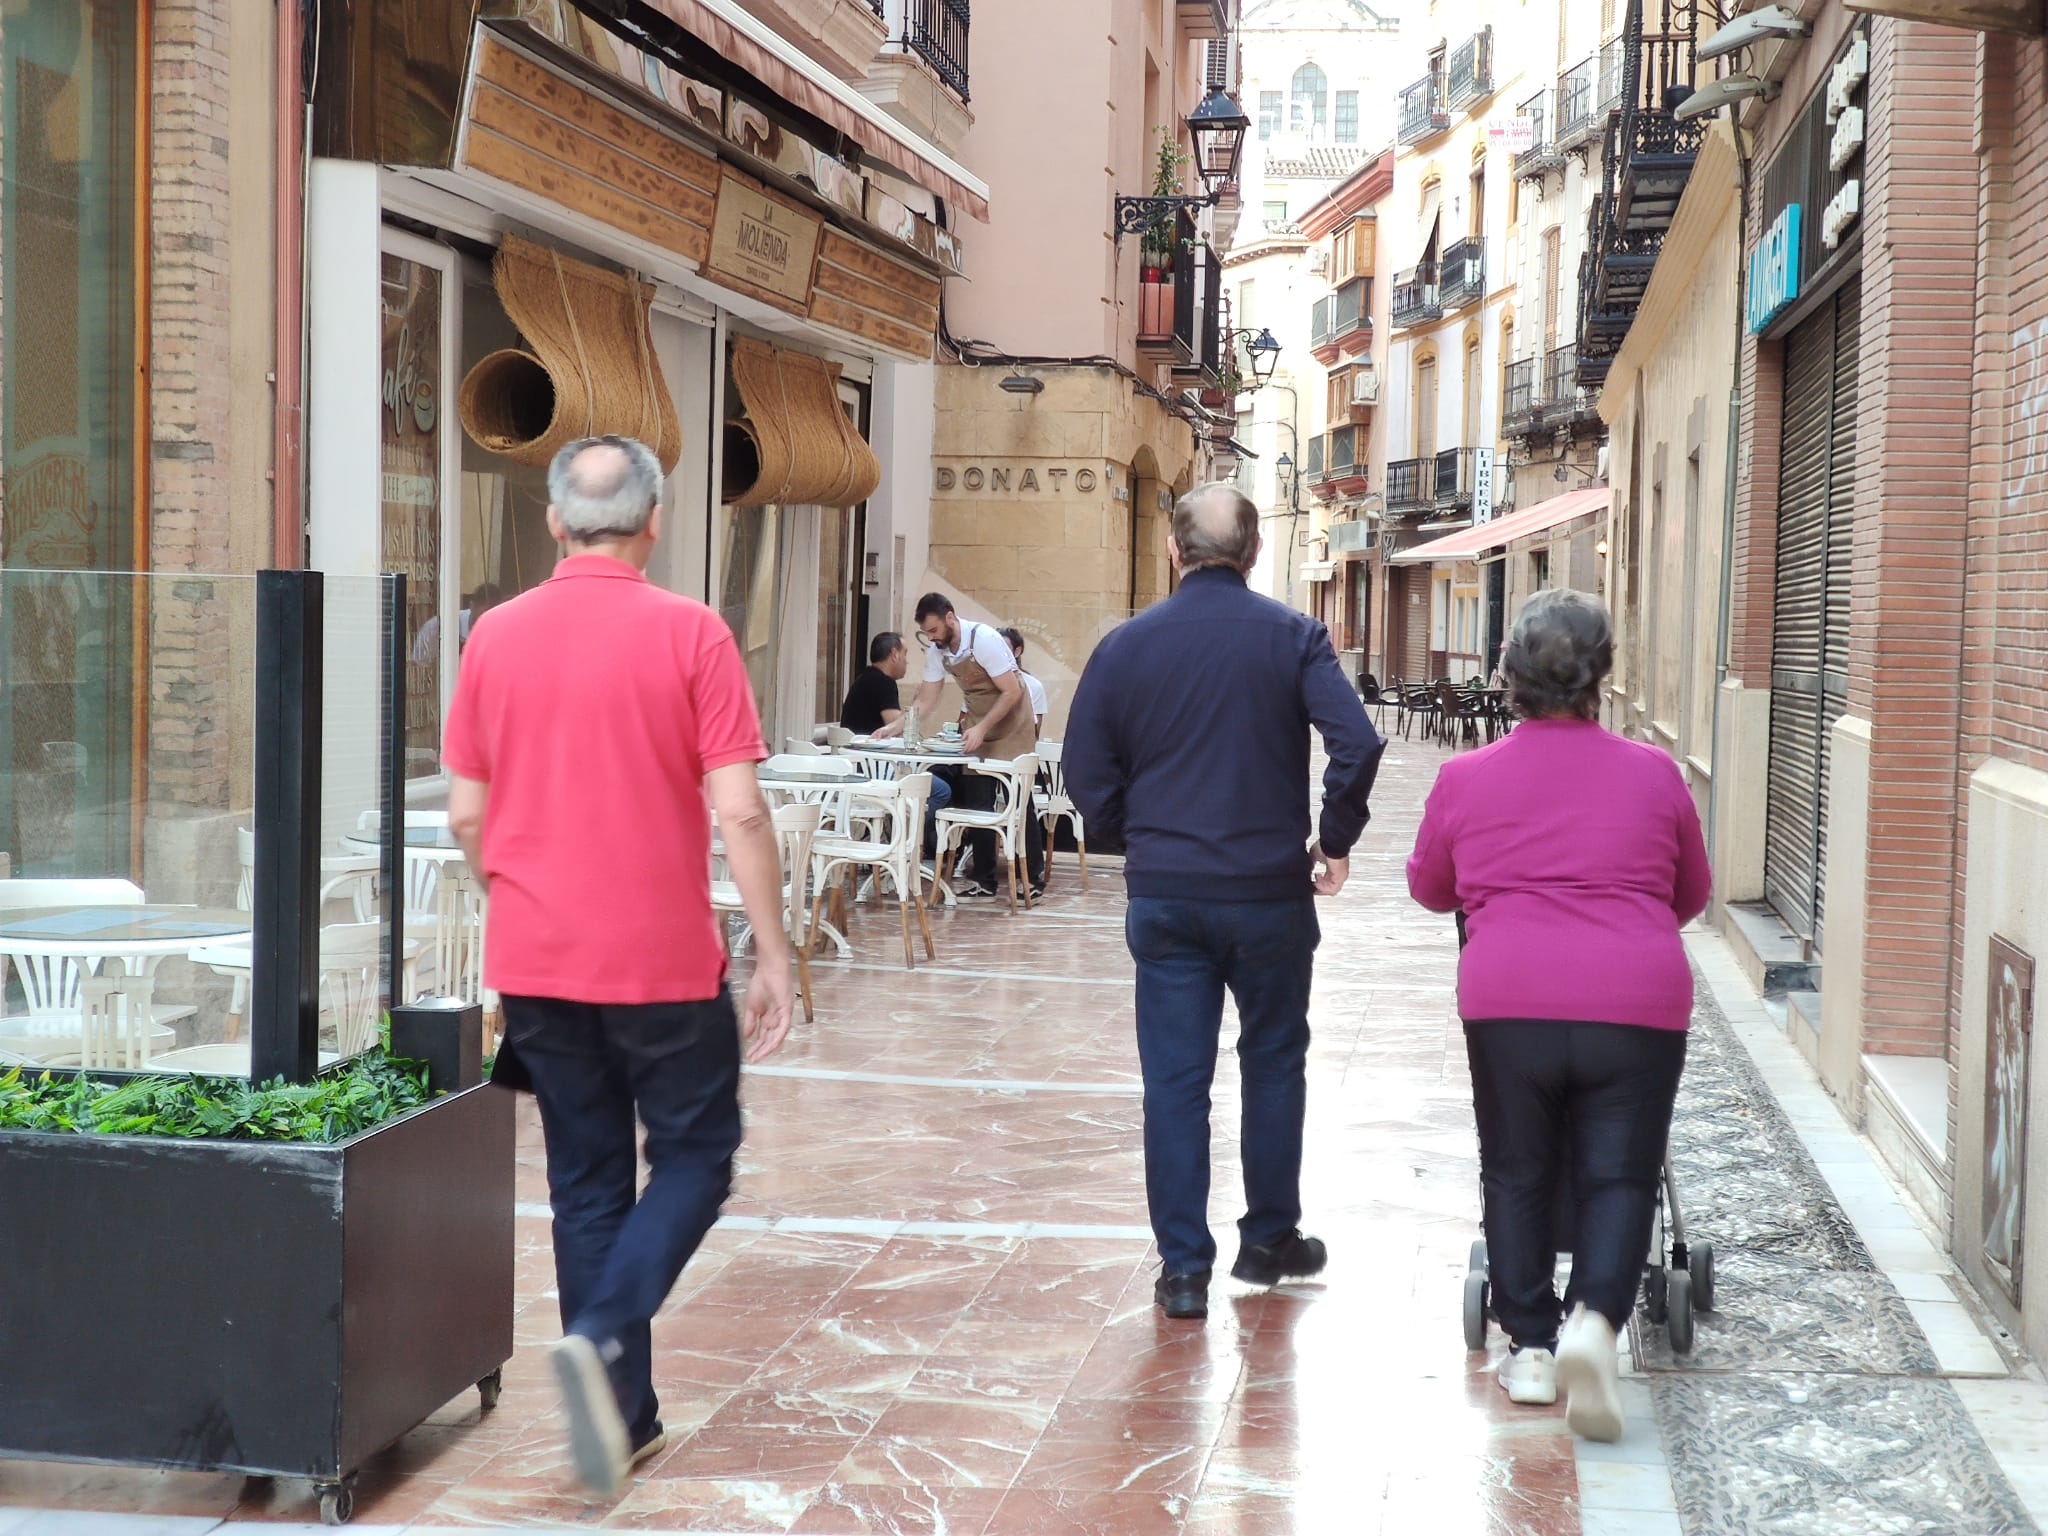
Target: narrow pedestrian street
929 1306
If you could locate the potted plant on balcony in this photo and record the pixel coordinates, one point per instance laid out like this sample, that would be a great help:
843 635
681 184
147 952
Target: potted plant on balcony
1223 394
1157 246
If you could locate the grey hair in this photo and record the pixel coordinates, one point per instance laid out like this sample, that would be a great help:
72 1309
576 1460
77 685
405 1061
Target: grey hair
1216 524
608 497
1558 655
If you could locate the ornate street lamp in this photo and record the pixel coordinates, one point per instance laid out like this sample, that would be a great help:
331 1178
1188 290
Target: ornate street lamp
1264 353
1217 127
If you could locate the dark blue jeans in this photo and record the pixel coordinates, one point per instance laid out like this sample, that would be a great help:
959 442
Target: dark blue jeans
1188 954
1591 1100
593 1067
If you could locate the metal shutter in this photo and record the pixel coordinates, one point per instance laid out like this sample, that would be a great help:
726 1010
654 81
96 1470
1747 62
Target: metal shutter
1810 630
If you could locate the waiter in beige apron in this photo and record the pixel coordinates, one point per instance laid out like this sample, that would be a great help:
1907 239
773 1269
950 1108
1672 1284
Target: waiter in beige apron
999 719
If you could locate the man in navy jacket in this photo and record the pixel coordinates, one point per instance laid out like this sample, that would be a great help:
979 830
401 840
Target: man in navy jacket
1188 742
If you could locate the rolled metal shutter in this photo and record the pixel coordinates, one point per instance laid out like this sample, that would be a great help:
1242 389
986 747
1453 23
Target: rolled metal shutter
1841 546
1791 831
1810 631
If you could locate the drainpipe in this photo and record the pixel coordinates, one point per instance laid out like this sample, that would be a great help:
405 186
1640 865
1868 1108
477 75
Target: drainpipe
287 474
1722 639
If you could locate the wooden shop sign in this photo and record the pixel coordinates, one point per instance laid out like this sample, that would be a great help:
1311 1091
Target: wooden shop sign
763 244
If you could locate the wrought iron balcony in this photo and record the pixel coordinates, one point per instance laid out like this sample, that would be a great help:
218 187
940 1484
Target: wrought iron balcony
1418 298
1520 398
1575 92
936 31
1471 71
876 6
1457 472
1542 155
1464 275
1423 110
1411 485
1565 399
1208 19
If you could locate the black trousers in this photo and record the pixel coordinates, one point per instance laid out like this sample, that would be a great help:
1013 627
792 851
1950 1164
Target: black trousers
595 1069
979 792
1595 1098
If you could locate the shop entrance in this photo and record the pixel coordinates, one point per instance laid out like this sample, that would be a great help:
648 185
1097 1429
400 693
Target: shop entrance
1810 624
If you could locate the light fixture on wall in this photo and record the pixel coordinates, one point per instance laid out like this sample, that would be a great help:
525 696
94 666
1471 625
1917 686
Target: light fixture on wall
1724 92
1600 549
1283 467
1024 384
1217 128
1760 25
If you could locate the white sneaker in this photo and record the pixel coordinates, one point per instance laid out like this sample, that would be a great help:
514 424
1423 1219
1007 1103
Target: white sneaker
1590 1375
1529 1376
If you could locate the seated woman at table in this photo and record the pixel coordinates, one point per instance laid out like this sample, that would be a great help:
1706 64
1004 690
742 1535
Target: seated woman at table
1575 857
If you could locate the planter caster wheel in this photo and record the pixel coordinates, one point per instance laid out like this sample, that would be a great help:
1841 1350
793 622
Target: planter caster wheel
1700 1264
1478 1299
490 1388
338 1502
1679 1300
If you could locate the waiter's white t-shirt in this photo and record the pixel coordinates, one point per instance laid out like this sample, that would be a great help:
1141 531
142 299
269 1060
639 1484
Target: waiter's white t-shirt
1036 690
986 646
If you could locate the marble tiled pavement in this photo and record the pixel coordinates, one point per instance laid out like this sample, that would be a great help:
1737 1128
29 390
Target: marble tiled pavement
929 1307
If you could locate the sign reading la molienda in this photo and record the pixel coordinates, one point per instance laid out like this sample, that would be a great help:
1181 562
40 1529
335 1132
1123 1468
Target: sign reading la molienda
1774 269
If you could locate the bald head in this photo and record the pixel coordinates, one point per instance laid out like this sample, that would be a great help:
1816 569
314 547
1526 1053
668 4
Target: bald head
604 488
1215 525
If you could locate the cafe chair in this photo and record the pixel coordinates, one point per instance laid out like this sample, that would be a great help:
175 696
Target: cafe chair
1014 781
351 1007
891 845
65 1000
796 829
1053 805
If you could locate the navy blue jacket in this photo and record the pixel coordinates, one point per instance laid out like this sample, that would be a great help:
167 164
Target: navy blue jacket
1188 744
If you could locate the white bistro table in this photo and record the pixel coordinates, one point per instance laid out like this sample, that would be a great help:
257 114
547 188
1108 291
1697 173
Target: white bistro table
460 909
115 951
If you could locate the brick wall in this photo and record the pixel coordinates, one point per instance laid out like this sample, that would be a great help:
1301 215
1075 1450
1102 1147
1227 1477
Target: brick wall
1913 462
190 389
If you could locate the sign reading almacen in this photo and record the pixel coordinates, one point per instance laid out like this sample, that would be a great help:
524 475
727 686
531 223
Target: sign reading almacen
766 244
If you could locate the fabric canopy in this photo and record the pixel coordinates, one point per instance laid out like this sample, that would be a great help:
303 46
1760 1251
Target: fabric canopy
1471 543
737 37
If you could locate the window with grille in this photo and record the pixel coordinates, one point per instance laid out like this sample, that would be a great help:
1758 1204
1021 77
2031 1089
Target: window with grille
1269 114
1276 213
1347 117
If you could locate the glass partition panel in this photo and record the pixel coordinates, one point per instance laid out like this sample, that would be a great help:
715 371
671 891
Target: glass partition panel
127 750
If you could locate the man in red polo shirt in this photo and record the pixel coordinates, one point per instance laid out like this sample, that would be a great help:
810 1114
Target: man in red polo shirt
593 717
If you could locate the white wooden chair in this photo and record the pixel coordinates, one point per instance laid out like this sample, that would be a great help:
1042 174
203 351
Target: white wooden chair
891 845
351 957
796 829
1053 805
1013 805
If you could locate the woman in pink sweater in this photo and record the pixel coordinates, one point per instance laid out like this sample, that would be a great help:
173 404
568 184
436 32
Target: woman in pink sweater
1575 857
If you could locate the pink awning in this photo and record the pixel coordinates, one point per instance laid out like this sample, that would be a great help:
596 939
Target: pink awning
741 40
1471 543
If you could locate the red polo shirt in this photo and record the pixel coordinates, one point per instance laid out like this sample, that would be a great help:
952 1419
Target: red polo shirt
593 706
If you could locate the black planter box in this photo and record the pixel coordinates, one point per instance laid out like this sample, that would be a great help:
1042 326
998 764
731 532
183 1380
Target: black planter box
275 1310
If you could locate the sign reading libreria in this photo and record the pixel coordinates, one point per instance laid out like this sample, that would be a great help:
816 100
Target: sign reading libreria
1774 270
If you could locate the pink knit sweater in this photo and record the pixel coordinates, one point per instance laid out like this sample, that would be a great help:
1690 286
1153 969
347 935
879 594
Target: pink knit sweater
1576 857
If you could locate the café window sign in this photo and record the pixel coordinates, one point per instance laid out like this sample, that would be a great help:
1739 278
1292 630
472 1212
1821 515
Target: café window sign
1774 269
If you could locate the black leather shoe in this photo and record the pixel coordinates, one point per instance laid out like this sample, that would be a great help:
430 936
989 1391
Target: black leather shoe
1294 1257
1183 1296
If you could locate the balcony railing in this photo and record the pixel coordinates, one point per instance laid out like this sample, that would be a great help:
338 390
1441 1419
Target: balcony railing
1464 275
1575 88
1457 472
1319 333
1315 460
1471 70
877 6
1423 110
1417 296
1561 382
1541 155
1520 398
1340 459
1172 336
1411 485
936 31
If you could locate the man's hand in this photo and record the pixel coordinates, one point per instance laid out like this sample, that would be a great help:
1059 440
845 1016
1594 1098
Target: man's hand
1329 874
890 729
764 1021
972 743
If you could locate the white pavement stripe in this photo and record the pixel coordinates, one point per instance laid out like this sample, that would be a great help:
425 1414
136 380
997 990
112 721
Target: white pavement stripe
935 970
855 1226
980 1084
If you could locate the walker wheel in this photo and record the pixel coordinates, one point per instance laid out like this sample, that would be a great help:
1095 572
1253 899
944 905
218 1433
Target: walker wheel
1477 1261
1477 1296
1680 1307
1654 1284
1700 1264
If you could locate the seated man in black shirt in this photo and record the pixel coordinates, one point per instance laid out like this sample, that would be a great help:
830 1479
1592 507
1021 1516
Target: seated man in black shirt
874 700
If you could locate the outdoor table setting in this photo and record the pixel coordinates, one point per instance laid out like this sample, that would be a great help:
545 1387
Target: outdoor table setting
117 948
459 908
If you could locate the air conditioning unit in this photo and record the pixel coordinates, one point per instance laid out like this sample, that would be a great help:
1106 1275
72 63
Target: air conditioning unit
1319 264
1365 387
